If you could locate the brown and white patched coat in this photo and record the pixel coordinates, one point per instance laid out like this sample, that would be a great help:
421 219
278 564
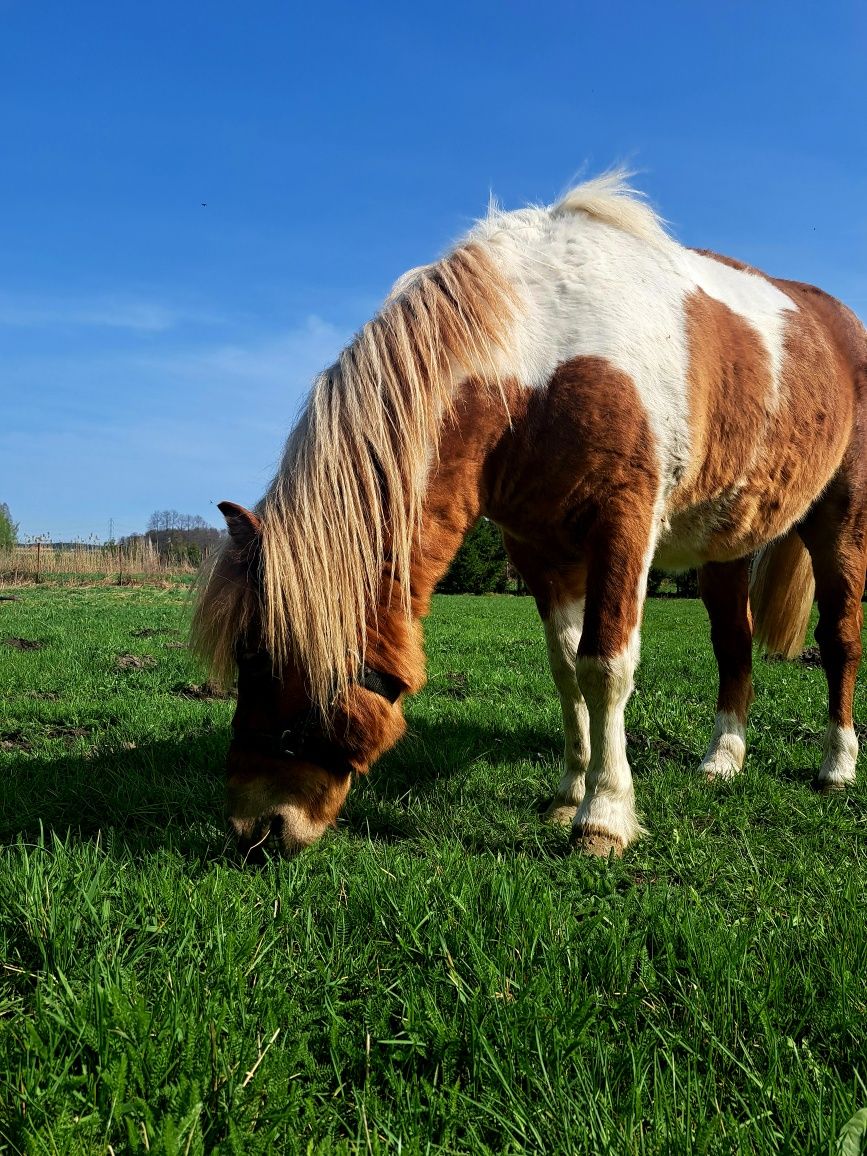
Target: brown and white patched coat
608 397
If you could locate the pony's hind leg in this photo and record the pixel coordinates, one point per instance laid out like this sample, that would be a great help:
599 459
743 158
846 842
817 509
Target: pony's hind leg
724 590
559 595
835 533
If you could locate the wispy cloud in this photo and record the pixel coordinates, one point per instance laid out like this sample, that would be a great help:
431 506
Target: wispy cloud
106 312
293 356
92 435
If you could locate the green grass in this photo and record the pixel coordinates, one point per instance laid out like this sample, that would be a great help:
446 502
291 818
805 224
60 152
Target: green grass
439 975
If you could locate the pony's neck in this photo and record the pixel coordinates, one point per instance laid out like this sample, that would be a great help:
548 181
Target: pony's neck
457 492
454 499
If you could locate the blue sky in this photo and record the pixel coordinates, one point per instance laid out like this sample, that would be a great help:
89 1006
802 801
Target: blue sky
153 352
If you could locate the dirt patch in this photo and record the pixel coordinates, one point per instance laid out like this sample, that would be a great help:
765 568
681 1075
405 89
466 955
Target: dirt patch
68 733
14 741
23 643
643 879
43 695
203 692
146 632
9 598
18 741
174 646
134 662
810 656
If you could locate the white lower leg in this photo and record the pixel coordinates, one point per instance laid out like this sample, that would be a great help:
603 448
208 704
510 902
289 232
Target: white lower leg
576 755
562 634
725 755
841 754
608 807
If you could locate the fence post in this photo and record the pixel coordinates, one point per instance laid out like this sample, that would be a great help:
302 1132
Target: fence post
38 552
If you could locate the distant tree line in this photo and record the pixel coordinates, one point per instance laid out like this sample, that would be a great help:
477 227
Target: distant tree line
481 566
178 537
162 521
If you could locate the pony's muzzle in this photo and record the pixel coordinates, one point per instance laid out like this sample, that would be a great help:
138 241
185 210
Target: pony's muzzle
269 834
287 830
267 811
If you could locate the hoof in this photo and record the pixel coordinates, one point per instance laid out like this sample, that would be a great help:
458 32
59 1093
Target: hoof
718 774
599 844
559 814
719 770
828 788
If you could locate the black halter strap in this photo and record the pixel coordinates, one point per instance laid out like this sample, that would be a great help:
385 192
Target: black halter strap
385 685
303 740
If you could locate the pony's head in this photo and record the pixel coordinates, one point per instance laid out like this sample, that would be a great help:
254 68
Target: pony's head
291 759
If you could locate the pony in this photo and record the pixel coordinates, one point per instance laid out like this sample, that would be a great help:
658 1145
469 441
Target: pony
610 399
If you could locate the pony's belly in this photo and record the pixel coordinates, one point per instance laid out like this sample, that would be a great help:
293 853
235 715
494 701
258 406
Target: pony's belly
680 545
731 526
748 493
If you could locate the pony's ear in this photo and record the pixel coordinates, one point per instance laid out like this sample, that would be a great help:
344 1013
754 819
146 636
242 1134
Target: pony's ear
243 524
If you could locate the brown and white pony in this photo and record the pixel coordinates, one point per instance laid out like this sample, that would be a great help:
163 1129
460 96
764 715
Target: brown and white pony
610 399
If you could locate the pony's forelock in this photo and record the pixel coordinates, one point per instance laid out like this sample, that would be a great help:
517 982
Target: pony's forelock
227 605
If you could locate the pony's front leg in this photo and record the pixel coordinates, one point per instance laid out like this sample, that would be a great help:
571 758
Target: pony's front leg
558 589
563 634
607 656
724 588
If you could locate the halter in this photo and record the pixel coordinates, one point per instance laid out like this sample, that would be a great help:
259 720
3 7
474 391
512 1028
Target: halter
300 739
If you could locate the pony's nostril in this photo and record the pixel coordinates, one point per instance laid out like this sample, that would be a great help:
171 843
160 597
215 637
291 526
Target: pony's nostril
251 846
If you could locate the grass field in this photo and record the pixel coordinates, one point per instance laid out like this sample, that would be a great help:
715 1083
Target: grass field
439 975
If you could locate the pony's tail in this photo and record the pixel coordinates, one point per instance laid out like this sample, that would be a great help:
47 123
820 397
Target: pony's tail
781 595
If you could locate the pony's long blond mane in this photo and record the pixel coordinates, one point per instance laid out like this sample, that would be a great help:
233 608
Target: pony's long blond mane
344 509
344 512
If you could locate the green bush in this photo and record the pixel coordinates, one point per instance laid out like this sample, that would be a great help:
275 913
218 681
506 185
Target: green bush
686 584
663 585
481 565
8 528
